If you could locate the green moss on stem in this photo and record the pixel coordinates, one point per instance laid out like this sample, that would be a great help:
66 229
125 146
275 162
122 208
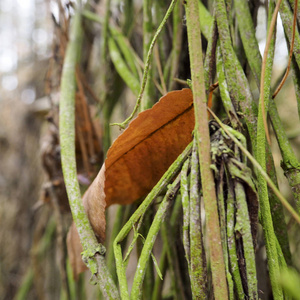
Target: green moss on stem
93 257
203 141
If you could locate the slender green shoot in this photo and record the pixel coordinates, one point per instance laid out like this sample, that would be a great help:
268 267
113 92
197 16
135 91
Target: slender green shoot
136 292
147 66
203 141
138 216
198 272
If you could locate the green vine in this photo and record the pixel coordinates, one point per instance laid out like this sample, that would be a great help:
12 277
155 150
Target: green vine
203 143
93 252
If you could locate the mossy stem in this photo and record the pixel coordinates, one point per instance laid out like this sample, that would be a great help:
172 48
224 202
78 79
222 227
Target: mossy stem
185 198
246 28
238 85
243 227
290 54
92 249
203 141
267 58
260 153
227 103
198 271
247 32
232 253
220 179
287 22
110 260
259 169
290 164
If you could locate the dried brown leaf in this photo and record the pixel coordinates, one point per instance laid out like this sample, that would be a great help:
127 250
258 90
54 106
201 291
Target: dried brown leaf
144 151
137 160
94 205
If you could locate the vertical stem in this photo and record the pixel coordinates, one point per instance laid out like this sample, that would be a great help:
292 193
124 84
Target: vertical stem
94 260
230 220
223 214
103 74
129 17
266 218
267 64
147 36
247 32
185 198
226 100
198 273
243 226
238 85
67 131
103 57
110 259
246 29
289 163
203 140
176 41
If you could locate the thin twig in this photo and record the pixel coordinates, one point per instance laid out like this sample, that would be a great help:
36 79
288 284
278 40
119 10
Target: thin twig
291 53
160 89
213 86
147 66
181 81
263 69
